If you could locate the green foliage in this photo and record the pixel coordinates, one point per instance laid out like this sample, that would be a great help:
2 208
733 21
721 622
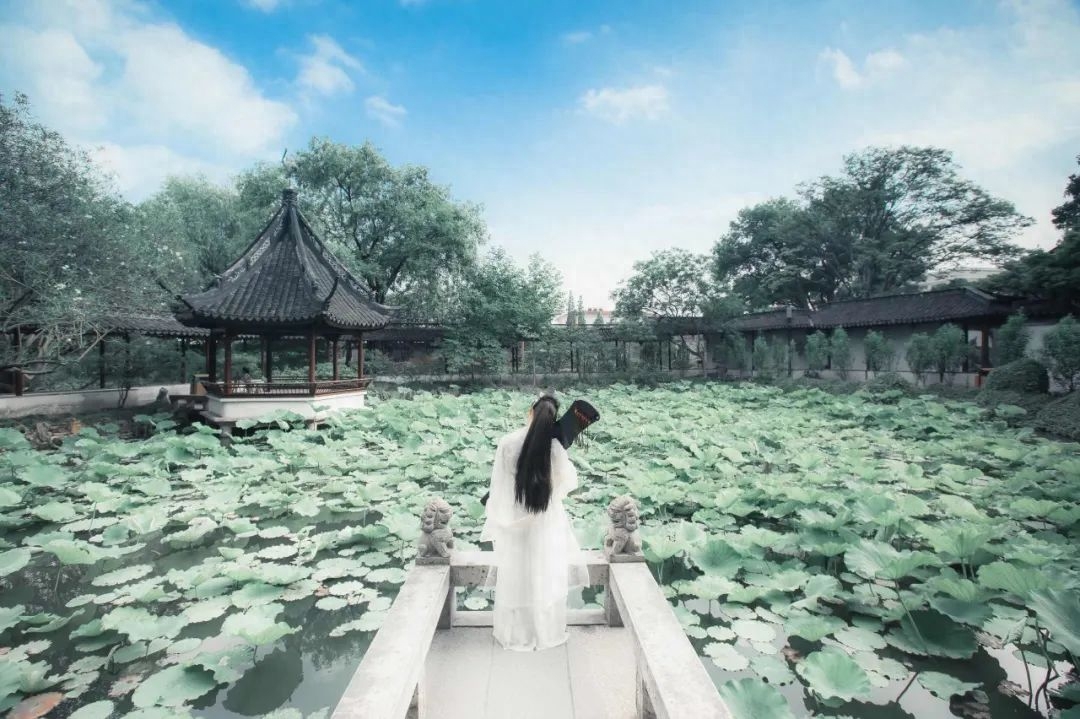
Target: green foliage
949 349
817 351
1061 417
888 218
879 353
920 354
840 352
671 283
1011 340
1022 375
887 382
1061 350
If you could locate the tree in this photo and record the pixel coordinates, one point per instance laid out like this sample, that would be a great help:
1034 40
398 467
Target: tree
1011 340
200 223
671 283
397 228
69 256
920 354
879 354
817 351
1052 274
1061 348
570 315
581 312
879 226
500 304
949 349
840 352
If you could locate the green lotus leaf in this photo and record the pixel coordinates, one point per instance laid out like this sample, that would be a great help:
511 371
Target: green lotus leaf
754 630
832 674
13 560
122 576
945 686
934 634
207 609
859 639
812 627
44 475
256 593
331 604
754 699
71 551
140 625
720 634
772 669
173 687
281 574
716 556
258 625
54 511
726 656
95 710
370 622
1021 582
9 498
1059 612
658 546
877 560
387 575
689 533
973 613
45 623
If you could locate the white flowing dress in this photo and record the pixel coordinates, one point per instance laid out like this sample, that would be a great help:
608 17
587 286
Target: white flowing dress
537 558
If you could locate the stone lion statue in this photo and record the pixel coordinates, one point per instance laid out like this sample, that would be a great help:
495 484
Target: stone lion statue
622 536
436 539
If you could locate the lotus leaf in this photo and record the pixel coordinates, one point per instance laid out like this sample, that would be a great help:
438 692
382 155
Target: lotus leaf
716 556
258 625
754 630
122 576
754 699
173 687
944 685
832 674
1020 582
95 710
772 669
932 633
877 560
1059 611
726 656
13 560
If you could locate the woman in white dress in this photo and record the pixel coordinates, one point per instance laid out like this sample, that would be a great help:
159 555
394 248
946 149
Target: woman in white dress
537 557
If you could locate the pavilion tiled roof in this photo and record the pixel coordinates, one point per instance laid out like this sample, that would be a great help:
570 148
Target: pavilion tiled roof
286 278
944 305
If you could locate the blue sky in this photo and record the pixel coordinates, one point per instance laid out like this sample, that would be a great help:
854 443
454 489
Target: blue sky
592 132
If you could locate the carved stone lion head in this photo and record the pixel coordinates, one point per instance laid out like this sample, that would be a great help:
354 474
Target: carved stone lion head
436 515
623 512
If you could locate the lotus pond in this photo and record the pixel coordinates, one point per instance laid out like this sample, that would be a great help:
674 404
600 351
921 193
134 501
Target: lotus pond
826 555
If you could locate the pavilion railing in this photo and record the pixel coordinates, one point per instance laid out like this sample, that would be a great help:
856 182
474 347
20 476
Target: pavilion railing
285 388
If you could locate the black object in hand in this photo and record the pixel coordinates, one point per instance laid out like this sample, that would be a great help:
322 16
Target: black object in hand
580 415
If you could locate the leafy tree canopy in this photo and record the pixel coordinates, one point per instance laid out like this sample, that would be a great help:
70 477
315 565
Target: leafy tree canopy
672 283
891 215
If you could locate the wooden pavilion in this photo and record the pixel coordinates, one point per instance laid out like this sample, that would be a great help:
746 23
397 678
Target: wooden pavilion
286 284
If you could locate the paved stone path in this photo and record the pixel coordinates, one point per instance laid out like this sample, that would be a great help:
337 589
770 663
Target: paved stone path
468 676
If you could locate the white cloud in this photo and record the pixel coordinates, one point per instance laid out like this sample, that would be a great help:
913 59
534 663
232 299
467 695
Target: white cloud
577 37
620 105
384 111
107 73
57 74
324 70
264 5
181 85
139 170
876 66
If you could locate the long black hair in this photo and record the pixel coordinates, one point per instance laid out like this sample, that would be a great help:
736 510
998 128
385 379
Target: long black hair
532 481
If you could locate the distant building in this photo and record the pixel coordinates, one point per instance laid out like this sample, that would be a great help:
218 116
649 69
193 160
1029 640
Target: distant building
591 315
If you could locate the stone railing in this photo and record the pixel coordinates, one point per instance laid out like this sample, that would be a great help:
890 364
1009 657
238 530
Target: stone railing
671 681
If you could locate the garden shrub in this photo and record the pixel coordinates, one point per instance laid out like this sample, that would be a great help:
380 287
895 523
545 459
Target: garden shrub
1061 349
840 352
1030 401
949 349
1011 340
817 351
1061 417
887 382
879 354
761 358
920 354
1022 375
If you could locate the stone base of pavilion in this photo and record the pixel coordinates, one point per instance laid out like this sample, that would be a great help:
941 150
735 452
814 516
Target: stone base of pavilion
314 401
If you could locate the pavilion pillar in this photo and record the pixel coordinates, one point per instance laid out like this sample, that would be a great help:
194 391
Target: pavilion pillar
101 364
360 355
311 359
334 356
228 365
984 351
211 359
17 373
183 360
263 342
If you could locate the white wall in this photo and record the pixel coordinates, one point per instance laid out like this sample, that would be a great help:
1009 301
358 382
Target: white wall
48 403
